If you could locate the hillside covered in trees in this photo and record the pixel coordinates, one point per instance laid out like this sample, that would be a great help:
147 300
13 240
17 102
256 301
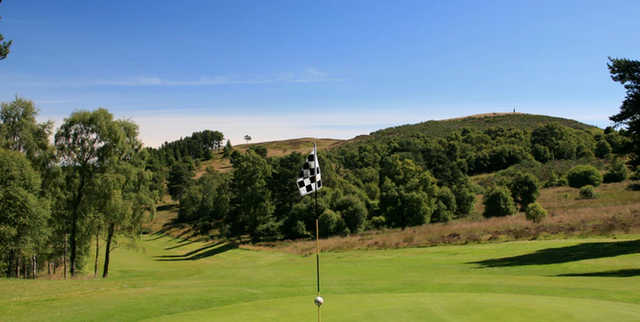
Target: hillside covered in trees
97 185
398 177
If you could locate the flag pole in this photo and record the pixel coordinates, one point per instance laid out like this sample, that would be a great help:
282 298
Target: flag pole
315 152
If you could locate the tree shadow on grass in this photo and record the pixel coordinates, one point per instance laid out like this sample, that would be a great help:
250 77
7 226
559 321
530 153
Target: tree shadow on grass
566 254
618 273
200 253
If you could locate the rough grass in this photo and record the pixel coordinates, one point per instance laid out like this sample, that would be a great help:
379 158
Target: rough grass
616 210
274 149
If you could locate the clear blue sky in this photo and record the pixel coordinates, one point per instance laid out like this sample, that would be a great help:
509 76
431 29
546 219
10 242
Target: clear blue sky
284 69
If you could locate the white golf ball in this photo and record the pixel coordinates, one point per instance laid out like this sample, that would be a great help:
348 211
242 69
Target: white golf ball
318 300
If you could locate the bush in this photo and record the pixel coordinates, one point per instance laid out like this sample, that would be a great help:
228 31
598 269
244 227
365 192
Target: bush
378 222
330 223
555 180
617 172
603 149
541 153
587 192
498 202
524 189
582 175
535 212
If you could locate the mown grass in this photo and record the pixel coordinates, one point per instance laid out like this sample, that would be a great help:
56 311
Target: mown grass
169 280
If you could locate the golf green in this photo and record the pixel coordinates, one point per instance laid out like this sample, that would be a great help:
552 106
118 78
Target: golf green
165 279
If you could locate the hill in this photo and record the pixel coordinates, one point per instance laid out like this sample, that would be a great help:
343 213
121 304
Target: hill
433 128
480 122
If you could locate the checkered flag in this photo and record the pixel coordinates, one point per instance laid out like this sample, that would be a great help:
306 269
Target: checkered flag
309 180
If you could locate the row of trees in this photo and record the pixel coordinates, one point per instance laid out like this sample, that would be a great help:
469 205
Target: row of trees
92 183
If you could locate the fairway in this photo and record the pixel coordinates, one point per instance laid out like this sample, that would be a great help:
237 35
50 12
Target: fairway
166 279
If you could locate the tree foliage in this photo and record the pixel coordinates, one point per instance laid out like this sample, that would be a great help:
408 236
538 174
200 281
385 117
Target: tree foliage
498 203
583 175
627 72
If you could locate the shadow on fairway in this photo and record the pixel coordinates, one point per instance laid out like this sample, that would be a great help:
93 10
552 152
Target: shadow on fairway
566 254
200 253
618 273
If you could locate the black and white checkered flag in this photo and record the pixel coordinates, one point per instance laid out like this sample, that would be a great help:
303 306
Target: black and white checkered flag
309 180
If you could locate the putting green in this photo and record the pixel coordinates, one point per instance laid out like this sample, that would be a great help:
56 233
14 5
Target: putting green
420 307
165 279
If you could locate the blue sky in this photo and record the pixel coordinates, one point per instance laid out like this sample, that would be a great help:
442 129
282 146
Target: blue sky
286 69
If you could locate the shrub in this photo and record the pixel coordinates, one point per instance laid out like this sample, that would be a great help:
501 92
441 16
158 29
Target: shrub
617 172
535 212
603 149
583 175
541 153
378 222
635 175
524 189
555 180
330 223
587 192
498 202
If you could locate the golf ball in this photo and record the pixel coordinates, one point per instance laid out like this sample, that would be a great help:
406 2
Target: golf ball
318 300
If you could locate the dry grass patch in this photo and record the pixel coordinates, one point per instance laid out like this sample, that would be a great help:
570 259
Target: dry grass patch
580 222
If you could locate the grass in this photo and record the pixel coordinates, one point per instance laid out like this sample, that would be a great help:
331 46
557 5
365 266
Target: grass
550 280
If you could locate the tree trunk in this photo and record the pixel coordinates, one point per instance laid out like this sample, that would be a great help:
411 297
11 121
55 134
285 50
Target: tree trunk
35 267
95 264
24 268
10 263
74 225
64 257
72 242
107 250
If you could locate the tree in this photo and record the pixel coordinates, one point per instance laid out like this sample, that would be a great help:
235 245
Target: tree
4 46
445 206
627 72
226 151
122 193
535 212
583 175
260 150
247 138
20 132
498 203
86 142
23 213
407 193
616 172
353 212
251 205
180 178
524 189
603 149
